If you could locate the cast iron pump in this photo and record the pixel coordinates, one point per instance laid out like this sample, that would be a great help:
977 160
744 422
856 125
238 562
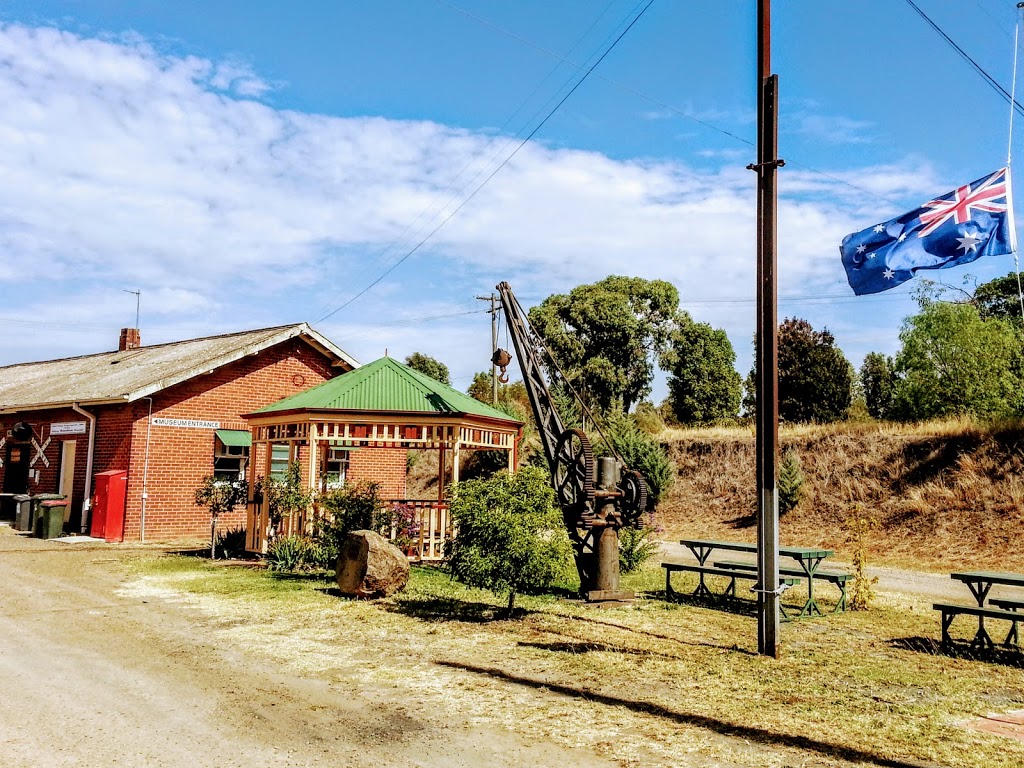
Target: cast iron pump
597 497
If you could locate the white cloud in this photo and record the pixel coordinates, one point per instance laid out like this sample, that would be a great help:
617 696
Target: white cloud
127 167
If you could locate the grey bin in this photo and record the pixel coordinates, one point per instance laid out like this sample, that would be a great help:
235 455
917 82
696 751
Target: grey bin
50 520
23 516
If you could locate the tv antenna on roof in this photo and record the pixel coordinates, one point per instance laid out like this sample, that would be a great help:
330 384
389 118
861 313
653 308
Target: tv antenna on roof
138 299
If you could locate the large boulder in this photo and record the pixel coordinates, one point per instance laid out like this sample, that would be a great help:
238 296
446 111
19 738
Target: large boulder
370 566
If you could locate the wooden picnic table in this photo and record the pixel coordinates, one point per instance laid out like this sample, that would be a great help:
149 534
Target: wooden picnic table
980 583
809 559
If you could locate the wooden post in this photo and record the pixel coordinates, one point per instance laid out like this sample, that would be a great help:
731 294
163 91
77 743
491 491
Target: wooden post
766 365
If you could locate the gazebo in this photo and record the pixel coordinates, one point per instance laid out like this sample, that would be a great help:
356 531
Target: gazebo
359 426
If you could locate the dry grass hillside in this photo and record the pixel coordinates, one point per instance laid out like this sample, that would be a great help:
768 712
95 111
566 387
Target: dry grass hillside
945 495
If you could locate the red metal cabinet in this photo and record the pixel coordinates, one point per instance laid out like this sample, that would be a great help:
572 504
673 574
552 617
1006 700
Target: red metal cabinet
108 505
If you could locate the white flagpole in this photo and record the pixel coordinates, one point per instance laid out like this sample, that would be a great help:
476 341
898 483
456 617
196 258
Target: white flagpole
1009 154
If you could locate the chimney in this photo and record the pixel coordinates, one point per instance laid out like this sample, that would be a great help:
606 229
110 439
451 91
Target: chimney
130 339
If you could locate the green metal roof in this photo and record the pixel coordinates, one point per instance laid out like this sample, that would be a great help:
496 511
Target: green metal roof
235 437
386 385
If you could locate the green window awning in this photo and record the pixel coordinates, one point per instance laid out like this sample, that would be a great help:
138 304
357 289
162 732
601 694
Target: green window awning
235 437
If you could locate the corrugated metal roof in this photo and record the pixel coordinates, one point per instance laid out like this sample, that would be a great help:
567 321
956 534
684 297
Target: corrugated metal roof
236 438
386 385
135 373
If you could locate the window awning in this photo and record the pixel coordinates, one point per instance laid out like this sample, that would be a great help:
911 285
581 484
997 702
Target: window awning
235 437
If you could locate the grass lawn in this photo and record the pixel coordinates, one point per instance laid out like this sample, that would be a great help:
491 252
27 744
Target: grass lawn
653 683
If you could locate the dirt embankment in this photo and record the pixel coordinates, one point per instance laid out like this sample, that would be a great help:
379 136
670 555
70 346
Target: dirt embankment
940 501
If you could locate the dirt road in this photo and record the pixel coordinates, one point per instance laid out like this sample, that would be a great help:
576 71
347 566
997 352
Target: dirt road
91 678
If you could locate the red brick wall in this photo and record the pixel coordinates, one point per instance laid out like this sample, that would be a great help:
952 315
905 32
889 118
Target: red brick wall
382 465
180 457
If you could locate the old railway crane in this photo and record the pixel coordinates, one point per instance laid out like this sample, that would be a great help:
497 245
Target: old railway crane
597 497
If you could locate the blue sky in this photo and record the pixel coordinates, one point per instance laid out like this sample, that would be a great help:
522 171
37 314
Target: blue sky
253 164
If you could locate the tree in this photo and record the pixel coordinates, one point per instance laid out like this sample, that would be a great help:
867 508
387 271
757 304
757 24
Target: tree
640 452
815 380
999 298
219 496
607 337
953 361
878 380
703 384
428 366
511 537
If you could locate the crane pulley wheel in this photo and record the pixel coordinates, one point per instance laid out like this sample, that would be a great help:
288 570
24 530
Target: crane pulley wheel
634 496
574 470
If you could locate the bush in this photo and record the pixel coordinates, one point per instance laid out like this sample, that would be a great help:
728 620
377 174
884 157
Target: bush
791 483
286 553
511 538
230 544
636 547
640 452
284 497
859 525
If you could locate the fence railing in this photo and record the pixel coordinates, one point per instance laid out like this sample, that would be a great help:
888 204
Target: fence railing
427 525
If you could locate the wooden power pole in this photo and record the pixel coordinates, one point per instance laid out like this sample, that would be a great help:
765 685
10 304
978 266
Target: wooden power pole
494 343
767 360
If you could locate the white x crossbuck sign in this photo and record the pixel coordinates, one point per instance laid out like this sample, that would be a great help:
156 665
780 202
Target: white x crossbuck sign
40 453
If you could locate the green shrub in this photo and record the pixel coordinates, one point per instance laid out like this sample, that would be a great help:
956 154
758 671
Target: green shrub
641 452
649 418
511 538
230 544
636 547
284 497
791 483
286 553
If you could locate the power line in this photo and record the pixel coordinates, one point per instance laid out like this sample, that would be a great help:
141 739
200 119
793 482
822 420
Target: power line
975 65
658 102
430 211
503 163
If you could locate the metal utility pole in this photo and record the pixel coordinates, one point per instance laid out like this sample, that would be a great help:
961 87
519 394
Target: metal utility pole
494 343
767 360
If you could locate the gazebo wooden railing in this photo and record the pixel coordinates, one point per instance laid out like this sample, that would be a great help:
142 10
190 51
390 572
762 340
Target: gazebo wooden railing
431 527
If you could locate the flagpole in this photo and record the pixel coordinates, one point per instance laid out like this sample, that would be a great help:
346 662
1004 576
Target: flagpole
767 342
1009 152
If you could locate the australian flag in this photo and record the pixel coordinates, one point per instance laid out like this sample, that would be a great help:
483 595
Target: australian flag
972 221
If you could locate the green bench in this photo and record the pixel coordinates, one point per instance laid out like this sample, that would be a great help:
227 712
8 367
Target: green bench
1010 605
705 570
833 577
981 638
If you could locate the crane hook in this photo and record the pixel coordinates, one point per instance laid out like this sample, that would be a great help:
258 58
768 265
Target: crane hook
502 358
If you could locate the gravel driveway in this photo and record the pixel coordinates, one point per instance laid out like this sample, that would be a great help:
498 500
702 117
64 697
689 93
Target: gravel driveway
94 679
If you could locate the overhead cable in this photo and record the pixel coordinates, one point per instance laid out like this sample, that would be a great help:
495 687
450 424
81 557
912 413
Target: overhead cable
503 163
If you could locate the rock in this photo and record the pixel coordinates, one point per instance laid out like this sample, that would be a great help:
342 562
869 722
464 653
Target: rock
370 566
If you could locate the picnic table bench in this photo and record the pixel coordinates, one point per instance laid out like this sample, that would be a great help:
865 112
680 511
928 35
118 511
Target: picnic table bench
980 583
833 577
704 571
808 559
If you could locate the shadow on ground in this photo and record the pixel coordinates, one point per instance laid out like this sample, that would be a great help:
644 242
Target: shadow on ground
1007 657
750 733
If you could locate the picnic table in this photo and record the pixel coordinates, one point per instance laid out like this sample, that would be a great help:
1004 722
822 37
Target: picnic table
980 583
808 559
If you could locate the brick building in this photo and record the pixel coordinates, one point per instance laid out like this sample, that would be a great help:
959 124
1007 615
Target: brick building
167 414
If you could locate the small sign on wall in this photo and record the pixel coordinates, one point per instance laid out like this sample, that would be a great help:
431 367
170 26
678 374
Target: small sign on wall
189 423
67 428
